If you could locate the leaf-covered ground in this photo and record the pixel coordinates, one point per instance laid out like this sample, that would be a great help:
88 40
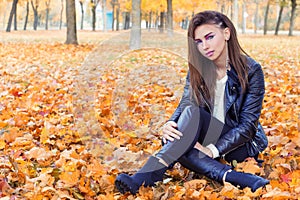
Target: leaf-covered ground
73 117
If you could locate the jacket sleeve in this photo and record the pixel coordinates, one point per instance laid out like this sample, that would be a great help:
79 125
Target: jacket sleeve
185 100
249 114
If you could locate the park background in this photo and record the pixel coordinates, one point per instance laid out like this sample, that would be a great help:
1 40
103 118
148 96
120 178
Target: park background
74 116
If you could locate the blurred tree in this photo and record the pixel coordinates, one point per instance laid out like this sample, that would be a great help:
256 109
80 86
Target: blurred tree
169 18
82 14
71 22
35 6
282 4
94 4
135 34
61 13
26 16
244 12
13 14
47 2
293 15
266 17
256 16
104 15
115 14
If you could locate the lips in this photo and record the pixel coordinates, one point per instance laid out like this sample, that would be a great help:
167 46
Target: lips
210 53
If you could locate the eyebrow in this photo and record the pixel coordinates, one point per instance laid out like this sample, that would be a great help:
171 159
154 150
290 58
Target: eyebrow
207 34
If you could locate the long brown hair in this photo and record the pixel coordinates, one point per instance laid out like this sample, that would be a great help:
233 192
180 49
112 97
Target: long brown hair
202 70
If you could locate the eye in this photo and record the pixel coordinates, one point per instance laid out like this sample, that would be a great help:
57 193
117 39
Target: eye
210 37
198 42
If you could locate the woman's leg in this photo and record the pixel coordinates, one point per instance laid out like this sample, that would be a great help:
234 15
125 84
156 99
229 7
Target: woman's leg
239 155
196 161
191 126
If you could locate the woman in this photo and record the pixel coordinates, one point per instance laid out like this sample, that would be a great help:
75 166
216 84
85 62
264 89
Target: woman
218 114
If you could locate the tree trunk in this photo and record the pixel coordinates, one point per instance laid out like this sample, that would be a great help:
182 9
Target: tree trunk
113 15
127 20
15 17
82 15
47 13
169 18
279 17
36 16
104 14
256 16
11 15
231 9
93 15
26 17
150 20
118 17
294 5
266 18
71 22
244 18
61 14
236 14
135 34
161 26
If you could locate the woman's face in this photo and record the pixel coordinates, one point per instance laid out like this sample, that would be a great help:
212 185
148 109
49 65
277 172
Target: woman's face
211 42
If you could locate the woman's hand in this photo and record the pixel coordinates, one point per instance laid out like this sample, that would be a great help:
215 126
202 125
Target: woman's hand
169 132
203 149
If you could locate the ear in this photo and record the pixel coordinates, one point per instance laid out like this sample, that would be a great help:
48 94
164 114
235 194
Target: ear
227 33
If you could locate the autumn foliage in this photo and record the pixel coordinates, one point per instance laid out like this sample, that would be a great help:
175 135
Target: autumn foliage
44 154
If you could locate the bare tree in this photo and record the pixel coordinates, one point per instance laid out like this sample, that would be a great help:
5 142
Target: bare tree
135 34
266 17
26 16
104 14
235 13
94 4
256 16
35 7
71 22
61 14
169 18
15 17
293 5
82 14
118 16
282 4
47 13
244 17
12 14
113 4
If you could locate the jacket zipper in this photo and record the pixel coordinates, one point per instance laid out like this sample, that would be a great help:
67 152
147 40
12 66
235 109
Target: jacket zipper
235 113
206 104
223 156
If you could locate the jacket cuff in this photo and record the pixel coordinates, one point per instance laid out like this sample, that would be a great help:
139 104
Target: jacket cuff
214 150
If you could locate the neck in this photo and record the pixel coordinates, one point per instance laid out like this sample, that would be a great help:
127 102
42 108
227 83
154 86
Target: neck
221 68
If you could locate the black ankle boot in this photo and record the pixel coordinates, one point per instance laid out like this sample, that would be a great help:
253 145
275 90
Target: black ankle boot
150 173
243 180
200 163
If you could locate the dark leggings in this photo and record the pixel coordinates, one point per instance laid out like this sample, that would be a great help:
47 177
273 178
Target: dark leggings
197 125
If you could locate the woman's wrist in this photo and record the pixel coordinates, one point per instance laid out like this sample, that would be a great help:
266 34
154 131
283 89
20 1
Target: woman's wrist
214 150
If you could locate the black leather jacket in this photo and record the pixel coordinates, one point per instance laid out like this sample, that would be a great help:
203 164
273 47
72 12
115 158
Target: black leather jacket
242 111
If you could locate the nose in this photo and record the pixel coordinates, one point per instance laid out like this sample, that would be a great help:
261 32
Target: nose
204 45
